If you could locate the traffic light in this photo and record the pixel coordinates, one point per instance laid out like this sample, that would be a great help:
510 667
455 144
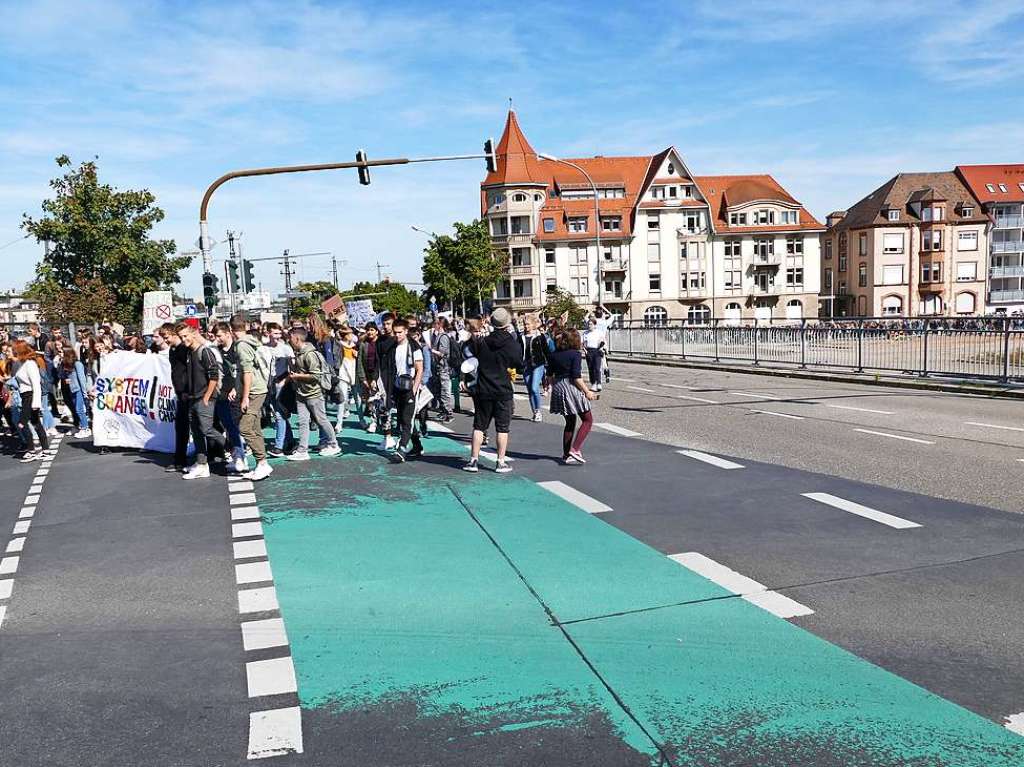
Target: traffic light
232 277
248 279
210 294
364 172
489 157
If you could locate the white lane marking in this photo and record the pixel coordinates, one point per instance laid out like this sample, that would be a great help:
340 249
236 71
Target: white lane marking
259 635
38 481
250 549
31 499
618 430
9 565
234 478
253 572
747 588
242 499
15 545
861 511
276 732
491 455
245 512
258 600
678 386
696 399
994 426
275 676
861 409
3 612
238 487
20 528
575 497
780 415
642 388
27 512
754 396
438 427
520 397
1015 723
246 529
42 472
714 460
6 587
627 380
895 436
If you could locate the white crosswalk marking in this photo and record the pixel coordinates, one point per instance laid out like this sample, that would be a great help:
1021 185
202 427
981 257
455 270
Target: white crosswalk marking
259 635
575 497
276 732
275 676
747 588
259 600
246 529
250 549
6 587
253 572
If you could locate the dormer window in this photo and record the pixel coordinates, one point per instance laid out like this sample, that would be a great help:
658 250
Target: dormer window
764 216
611 223
577 223
549 225
967 211
519 197
737 219
991 188
894 214
1002 188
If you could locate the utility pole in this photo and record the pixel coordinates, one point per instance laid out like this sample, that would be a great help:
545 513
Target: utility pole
287 272
233 257
334 270
379 267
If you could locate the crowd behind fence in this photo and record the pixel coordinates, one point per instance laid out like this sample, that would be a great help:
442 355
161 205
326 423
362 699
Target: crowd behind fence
972 347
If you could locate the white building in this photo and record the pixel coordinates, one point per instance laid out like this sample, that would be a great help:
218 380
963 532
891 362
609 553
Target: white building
674 246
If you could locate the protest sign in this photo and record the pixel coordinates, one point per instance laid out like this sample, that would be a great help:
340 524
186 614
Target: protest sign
134 402
156 310
359 312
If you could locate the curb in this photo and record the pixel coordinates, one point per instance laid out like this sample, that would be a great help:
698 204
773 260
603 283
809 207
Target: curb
957 387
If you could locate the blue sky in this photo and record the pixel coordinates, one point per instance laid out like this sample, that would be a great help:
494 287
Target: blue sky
830 98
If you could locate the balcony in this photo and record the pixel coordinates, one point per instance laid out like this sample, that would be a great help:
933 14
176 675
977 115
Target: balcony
1009 222
685 232
771 259
1008 246
770 290
931 287
614 265
520 238
524 303
1006 271
523 270
999 296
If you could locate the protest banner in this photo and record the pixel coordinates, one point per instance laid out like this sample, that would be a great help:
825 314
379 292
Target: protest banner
359 312
134 402
156 310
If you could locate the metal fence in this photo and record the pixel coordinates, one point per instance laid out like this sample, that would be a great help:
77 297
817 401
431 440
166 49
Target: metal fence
984 348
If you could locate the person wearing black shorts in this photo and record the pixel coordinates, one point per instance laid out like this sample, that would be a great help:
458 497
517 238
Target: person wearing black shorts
495 353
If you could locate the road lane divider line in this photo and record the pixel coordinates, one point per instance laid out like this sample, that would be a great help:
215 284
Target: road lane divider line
678 386
6 587
641 388
249 549
15 545
861 511
253 572
247 529
239 487
994 426
861 409
714 460
618 430
1015 723
9 565
262 634
696 399
895 436
746 588
242 499
780 415
752 395
241 513
625 380
259 600
21 527
575 497
3 614
275 732
274 676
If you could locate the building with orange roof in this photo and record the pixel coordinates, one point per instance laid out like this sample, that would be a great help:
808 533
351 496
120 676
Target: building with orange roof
673 246
1000 190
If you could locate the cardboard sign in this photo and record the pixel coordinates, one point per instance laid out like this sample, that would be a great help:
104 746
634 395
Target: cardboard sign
157 308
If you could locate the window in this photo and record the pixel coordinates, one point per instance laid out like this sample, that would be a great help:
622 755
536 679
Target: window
671 169
549 225
653 252
519 197
794 310
862 244
503 290
931 305
693 281
862 306
581 286
733 265
613 288
654 282
538 197
578 255
764 216
692 223
828 249
894 214
967 211
733 311
892 243
521 225
522 257
672 191
497 198
653 222
965 303
843 288
990 188
931 272
967 271
737 219
550 283
499 227
789 216
612 193
699 314
577 223
763 248
687 191
549 254
763 281
967 241
658 192
892 305
794 276
732 247
523 288
1002 188
611 252
655 316
862 275
828 279
931 239
794 245
611 223
892 274
842 262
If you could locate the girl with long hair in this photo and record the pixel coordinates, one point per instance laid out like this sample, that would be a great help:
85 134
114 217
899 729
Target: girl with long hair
72 373
29 378
570 396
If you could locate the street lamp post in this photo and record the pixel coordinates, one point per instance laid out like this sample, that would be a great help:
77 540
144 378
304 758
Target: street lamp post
444 280
597 220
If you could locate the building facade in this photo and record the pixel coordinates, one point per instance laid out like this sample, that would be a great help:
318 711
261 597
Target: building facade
673 246
1000 190
916 246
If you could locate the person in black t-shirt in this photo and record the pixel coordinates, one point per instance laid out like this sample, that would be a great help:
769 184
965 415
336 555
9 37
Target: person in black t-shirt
178 355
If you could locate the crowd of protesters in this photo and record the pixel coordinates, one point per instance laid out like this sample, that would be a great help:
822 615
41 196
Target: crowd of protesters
238 377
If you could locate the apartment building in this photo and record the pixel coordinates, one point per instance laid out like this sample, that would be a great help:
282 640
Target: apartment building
916 246
1000 190
673 246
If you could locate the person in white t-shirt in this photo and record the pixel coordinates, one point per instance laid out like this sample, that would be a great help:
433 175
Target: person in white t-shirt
408 379
594 339
278 355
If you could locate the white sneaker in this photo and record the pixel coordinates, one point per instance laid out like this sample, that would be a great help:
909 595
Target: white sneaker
262 471
241 464
34 455
538 417
197 471
330 450
83 433
298 455
52 432
390 443
371 427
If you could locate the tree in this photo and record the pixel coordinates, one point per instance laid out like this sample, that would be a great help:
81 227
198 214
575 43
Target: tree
319 292
99 236
559 302
466 265
387 296
88 301
438 270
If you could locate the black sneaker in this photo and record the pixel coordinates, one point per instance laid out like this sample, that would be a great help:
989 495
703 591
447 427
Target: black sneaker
275 452
471 466
396 456
416 452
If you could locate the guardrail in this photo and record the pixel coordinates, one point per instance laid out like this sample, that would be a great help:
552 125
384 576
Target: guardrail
990 348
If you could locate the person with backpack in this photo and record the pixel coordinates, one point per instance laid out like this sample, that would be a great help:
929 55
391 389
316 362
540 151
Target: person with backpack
226 409
311 376
407 362
253 378
446 357
203 386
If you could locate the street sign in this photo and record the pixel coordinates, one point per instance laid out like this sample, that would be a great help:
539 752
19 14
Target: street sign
191 310
156 310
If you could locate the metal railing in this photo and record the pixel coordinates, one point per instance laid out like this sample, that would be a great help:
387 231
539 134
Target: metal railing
1008 246
1009 222
973 347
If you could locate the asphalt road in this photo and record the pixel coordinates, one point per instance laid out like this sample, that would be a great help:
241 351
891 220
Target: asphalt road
435 618
959 447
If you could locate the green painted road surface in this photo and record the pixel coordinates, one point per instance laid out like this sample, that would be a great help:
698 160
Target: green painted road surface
446 610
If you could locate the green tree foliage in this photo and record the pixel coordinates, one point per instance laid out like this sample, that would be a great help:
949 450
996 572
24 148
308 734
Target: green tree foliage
465 267
387 296
88 301
99 237
560 302
319 292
